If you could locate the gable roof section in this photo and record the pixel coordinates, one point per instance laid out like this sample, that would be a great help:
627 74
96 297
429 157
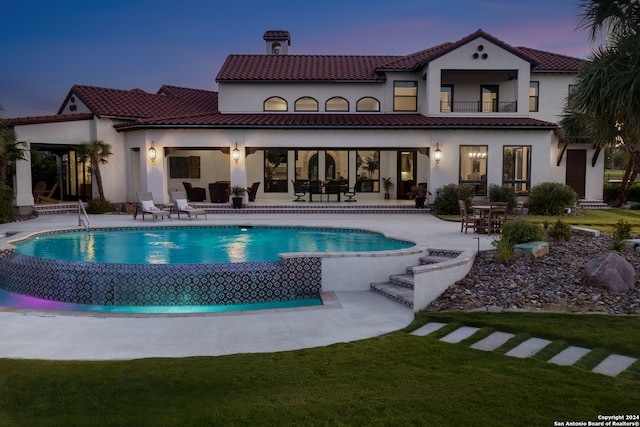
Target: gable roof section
548 61
342 121
169 101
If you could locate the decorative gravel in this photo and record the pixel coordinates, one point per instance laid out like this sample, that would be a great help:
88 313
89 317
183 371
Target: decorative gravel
549 283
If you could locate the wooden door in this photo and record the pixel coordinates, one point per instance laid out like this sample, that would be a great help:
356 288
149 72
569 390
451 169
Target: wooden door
577 171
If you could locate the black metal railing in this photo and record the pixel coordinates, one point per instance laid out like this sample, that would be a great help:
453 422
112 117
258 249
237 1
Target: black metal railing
479 107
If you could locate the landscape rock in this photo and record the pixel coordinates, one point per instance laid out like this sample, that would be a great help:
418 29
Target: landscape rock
610 271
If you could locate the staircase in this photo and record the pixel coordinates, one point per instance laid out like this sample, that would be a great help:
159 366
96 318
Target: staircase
401 287
592 204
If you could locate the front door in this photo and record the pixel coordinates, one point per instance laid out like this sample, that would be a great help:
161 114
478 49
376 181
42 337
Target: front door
577 171
406 178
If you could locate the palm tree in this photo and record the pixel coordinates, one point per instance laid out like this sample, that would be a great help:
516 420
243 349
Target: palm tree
10 150
604 105
96 152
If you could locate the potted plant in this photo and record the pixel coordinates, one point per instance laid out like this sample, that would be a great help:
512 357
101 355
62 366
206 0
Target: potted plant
419 193
238 193
387 184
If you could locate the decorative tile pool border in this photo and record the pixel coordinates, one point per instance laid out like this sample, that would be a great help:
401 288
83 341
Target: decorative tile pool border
161 284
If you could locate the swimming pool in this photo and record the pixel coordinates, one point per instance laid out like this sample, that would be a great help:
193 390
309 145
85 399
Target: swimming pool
171 281
201 245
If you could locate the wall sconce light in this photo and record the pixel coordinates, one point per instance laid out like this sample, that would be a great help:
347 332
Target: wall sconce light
437 154
236 154
152 153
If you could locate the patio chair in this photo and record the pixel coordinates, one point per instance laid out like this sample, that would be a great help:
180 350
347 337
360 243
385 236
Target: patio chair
497 217
148 207
315 187
298 190
518 210
194 194
333 188
350 193
181 206
466 220
42 195
218 192
252 191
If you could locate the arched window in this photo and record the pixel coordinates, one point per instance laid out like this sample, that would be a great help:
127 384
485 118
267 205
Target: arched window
275 103
306 103
368 104
337 103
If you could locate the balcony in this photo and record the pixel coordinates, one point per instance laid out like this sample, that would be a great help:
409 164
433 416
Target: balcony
478 107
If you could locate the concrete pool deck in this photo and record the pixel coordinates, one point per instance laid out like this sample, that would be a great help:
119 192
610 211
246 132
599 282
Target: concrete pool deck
39 334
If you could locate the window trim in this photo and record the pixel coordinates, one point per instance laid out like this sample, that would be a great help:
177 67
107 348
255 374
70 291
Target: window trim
398 97
306 98
535 97
513 182
264 104
367 98
336 98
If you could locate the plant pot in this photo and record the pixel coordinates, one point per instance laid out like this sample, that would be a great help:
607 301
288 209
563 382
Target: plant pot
420 202
237 202
387 196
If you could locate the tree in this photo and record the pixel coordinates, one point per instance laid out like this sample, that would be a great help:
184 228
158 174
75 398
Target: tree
604 105
10 150
96 152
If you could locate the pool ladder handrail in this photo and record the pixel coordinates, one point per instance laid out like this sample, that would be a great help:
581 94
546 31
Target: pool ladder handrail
83 218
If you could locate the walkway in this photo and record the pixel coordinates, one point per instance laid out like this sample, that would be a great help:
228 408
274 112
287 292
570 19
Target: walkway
352 316
611 365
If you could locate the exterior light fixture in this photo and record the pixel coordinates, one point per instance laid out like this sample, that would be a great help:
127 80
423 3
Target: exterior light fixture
152 152
236 154
437 154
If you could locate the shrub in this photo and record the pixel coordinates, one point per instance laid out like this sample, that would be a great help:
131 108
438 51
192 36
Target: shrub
498 193
6 204
621 231
522 231
635 207
504 249
100 205
446 202
560 231
551 198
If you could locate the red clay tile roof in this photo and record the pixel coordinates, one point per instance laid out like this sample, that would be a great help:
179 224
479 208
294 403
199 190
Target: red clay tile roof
169 101
48 119
277 35
325 121
345 68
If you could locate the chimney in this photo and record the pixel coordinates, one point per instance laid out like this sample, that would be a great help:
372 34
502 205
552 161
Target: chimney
278 42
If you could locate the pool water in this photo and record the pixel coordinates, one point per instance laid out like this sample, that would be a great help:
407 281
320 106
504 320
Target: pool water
200 245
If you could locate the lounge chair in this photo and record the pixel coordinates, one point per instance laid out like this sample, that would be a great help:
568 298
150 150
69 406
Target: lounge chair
42 195
181 206
148 207
194 194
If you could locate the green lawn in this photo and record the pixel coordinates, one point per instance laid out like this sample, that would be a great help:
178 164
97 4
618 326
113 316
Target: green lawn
599 219
397 379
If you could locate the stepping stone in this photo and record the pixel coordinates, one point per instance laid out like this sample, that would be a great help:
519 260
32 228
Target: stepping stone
528 348
460 334
614 364
427 329
569 356
493 341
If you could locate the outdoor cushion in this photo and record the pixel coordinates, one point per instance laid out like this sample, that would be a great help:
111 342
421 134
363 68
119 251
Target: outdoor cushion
148 205
182 205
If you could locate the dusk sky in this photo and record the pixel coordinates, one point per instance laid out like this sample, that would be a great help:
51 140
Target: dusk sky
48 46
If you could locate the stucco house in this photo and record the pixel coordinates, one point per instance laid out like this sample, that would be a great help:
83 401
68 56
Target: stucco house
475 111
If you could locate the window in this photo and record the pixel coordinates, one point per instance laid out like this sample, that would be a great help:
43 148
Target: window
368 104
368 171
184 167
275 103
405 96
516 168
446 98
306 165
275 171
306 103
336 103
489 98
473 167
336 165
534 96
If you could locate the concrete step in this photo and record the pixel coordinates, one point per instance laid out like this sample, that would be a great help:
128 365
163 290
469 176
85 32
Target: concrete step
434 259
592 204
405 280
394 292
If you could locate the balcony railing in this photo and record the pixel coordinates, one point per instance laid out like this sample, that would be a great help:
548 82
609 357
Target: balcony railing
478 107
